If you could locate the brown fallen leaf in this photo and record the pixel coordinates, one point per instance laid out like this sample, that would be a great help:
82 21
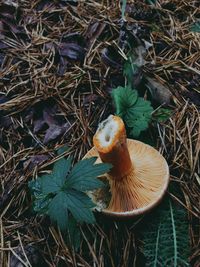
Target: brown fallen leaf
72 48
72 51
112 58
38 125
35 160
54 131
159 92
94 30
46 119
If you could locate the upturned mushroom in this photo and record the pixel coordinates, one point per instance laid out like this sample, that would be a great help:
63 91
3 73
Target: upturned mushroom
139 176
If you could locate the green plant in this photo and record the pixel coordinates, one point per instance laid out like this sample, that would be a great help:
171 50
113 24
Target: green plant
165 237
195 27
134 110
130 70
161 114
123 8
62 192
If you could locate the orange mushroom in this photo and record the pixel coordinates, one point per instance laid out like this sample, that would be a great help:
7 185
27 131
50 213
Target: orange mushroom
140 174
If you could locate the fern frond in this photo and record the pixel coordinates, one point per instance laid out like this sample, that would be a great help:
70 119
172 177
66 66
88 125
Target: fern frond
165 238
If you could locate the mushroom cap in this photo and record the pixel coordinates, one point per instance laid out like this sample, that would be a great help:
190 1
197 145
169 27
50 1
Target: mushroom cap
150 168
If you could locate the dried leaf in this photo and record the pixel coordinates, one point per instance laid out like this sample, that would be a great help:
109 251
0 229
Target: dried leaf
35 160
72 51
94 30
49 116
112 58
159 92
63 64
38 125
54 131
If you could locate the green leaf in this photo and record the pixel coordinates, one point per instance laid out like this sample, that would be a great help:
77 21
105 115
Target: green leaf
74 234
62 150
165 237
123 8
41 201
52 183
138 126
134 110
49 184
60 192
58 210
130 70
195 27
84 173
124 98
61 169
80 206
162 114
140 111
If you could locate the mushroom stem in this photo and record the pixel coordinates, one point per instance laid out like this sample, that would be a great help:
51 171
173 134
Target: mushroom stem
110 141
111 144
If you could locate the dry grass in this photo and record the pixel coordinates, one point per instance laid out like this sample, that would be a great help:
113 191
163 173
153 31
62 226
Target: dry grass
29 75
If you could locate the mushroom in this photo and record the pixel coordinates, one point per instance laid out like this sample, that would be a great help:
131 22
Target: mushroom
139 176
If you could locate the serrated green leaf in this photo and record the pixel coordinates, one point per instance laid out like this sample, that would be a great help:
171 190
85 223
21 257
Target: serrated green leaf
74 234
61 169
53 183
49 184
58 210
61 191
137 127
84 173
165 237
80 206
41 201
124 98
140 111
135 111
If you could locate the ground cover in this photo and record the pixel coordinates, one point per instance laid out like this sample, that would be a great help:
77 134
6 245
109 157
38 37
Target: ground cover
60 61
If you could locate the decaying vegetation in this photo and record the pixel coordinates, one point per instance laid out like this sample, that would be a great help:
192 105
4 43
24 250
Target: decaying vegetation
59 62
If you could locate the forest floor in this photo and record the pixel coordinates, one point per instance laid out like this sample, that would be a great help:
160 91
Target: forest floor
59 61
